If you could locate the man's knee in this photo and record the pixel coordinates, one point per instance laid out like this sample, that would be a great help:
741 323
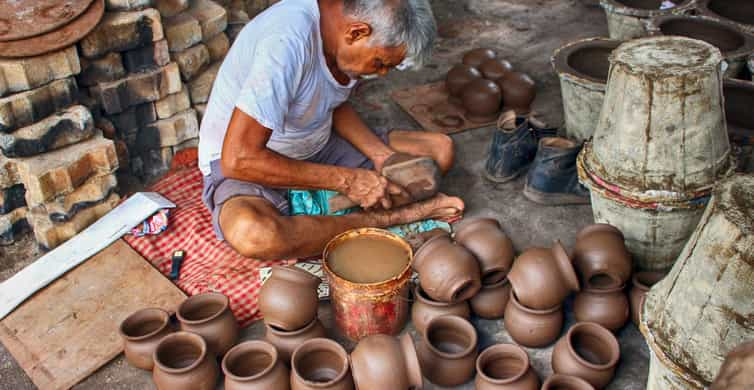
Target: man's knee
254 235
444 151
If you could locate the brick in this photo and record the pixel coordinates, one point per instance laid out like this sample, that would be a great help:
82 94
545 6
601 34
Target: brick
218 47
173 104
200 110
168 132
170 8
212 18
182 31
66 127
50 234
233 30
95 190
8 172
106 127
12 198
201 85
121 31
156 162
101 70
134 118
192 60
148 57
12 225
127 5
121 149
23 74
22 109
254 7
138 88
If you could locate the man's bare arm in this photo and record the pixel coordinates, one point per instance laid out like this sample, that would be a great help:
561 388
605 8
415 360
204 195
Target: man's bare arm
348 124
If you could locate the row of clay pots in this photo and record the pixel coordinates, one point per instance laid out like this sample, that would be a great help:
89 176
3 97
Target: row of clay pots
288 300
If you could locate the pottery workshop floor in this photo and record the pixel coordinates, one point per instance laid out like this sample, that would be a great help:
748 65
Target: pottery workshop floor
525 32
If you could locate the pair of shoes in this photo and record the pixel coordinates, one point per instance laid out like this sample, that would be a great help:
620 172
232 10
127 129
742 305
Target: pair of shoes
513 146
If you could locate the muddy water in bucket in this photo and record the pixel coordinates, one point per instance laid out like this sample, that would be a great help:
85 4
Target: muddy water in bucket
368 259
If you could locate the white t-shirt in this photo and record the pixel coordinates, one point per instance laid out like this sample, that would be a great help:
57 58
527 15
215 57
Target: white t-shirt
276 73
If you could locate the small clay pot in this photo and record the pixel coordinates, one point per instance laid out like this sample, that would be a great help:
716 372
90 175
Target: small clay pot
588 351
209 316
254 365
183 361
288 300
448 351
495 69
448 272
476 57
425 309
519 91
505 367
605 306
481 98
320 364
458 76
642 282
542 278
491 300
600 256
286 342
530 327
484 238
566 382
141 332
382 362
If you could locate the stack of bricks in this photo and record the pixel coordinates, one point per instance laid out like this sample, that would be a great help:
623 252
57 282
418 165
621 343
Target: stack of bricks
56 168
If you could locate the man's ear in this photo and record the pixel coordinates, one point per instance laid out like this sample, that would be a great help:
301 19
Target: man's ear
357 31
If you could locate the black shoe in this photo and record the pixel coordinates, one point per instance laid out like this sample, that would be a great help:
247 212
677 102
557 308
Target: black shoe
513 148
553 179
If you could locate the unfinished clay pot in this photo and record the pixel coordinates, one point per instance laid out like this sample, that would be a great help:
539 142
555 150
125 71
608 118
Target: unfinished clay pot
481 98
141 332
600 256
425 309
448 272
491 300
740 12
183 361
532 328
288 300
286 342
641 283
542 278
519 91
588 351
448 351
505 367
320 364
209 316
485 239
254 365
605 306
566 382
495 69
476 57
382 362
458 76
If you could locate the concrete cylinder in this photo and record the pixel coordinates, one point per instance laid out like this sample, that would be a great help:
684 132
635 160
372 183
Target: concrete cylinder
626 19
740 12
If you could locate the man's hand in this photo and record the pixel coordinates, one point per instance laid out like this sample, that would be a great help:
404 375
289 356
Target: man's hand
369 189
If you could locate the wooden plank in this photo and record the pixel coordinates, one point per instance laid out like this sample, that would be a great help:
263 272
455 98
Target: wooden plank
68 330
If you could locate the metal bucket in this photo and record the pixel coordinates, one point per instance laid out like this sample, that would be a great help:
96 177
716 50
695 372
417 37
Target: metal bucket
364 309
626 22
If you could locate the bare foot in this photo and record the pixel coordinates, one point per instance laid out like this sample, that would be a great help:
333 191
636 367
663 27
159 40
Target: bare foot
440 206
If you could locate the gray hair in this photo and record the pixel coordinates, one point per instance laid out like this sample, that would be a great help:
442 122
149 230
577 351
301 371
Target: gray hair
397 22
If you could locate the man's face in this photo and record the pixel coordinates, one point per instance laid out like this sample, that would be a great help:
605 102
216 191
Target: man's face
357 57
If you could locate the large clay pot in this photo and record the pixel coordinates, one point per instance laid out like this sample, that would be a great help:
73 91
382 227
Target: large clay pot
519 92
286 342
254 365
458 76
320 364
141 332
382 362
605 306
600 256
425 309
209 316
447 271
542 278
494 69
588 351
183 361
481 98
476 57
505 367
484 238
491 300
288 300
532 328
448 351
641 283
566 382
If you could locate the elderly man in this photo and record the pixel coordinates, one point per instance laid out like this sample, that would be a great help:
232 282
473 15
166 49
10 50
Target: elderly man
278 119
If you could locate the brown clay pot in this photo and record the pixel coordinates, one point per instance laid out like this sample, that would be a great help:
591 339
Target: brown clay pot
458 76
505 367
605 306
183 361
566 382
542 278
519 91
286 342
530 327
484 238
141 332
448 351
209 316
491 300
382 362
588 351
447 271
425 309
642 282
478 56
481 98
494 69
254 365
320 364
600 256
288 300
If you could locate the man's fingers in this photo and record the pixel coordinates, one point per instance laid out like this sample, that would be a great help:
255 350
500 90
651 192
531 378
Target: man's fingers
386 203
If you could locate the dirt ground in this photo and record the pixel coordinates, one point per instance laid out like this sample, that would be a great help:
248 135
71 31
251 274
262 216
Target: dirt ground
525 32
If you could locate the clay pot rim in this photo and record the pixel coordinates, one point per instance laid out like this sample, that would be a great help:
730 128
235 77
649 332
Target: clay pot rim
513 298
505 348
599 228
456 320
413 367
604 290
624 9
329 345
252 345
599 332
292 269
184 336
703 7
566 265
502 282
282 332
560 63
422 296
557 379
215 296
748 39
641 284
163 315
